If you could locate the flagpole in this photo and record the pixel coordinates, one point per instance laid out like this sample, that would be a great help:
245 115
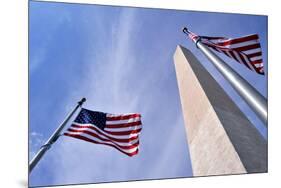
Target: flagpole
253 98
53 138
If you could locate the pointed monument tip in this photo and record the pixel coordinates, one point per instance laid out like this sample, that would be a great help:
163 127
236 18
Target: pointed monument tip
179 46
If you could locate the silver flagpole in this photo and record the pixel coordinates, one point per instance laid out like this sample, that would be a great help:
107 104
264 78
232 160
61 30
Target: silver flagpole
253 98
53 138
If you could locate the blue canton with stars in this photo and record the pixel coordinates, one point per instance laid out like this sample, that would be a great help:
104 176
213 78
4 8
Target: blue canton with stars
91 117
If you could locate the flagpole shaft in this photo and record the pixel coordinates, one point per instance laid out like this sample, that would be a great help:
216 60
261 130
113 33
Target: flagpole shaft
53 138
253 98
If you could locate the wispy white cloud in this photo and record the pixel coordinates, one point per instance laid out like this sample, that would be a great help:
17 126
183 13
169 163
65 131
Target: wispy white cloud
35 142
108 69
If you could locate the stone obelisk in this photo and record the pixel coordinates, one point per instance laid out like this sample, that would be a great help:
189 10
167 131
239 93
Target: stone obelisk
221 139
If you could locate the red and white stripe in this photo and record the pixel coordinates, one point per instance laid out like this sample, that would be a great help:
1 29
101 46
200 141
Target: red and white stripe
121 132
245 50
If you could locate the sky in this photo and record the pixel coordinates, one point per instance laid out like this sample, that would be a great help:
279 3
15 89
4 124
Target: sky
121 60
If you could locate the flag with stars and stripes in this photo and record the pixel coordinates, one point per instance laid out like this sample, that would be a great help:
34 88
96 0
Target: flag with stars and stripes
118 131
245 50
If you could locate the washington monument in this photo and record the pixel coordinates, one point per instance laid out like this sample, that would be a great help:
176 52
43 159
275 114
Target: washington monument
221 139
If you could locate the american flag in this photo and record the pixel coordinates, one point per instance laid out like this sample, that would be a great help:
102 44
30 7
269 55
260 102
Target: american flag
245 50
118 131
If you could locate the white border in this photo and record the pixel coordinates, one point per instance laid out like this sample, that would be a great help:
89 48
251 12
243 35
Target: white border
14 78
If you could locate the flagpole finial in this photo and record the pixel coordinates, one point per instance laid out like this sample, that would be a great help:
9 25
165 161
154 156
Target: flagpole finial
82 101
185 30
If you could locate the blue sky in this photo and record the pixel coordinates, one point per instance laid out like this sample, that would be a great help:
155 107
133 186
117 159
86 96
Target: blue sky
121 60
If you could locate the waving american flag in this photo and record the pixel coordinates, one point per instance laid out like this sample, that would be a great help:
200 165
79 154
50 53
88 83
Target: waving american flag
118 131
245 50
